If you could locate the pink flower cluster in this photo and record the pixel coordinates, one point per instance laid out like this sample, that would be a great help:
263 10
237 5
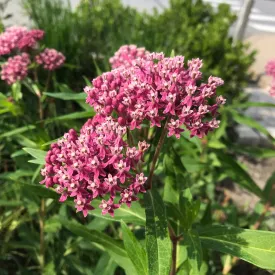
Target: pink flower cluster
270 70
155 88
15 69
99 162
95 164
126 55
18 38
51 59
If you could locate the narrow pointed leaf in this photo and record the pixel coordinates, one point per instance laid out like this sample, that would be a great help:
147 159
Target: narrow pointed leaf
108 244
269 189
254 246
75 115
158 244
134 249
194 250
134 214
105 265
39 155
249 121
67 96
18 131
238 174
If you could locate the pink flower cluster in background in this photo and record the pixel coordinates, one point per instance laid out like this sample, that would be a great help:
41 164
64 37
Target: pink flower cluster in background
51 59
126 55
19 38
270 70
155 88
96 163
30 39
16 68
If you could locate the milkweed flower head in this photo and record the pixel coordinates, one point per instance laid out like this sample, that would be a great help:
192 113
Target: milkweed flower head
270 67
19 38
270 70
97 163
30 39
272 87
156 87
126 55
51 59
15 69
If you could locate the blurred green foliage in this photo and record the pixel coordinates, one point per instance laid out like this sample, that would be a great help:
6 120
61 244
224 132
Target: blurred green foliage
96 29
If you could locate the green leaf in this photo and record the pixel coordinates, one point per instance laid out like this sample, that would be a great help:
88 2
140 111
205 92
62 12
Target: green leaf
68 96
18 153
105 265
249 121
37 161
36 173
191 239
188 207
108 244
98 224
39 155
269 189
216 144
238 174
207 215
87 81
221 131
16 91
253 104
98 70
170 194
75 115
18 131
49 269
254 246
39 190
135 214
192 164
172 54
254 152
158 244
195 140
9 203
16 174
134 249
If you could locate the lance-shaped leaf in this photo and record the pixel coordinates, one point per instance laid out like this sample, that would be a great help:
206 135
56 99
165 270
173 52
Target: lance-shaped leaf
75 115
39 155
158 244
105 265
234 170
254 246
134 214
114 248
191 239
269 189
249 121
17 131
68 96
135 250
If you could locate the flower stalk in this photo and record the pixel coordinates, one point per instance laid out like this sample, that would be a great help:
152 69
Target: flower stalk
156 155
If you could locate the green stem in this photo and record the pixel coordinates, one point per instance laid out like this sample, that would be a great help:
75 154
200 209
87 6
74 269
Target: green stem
156 155
42 239
48 81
